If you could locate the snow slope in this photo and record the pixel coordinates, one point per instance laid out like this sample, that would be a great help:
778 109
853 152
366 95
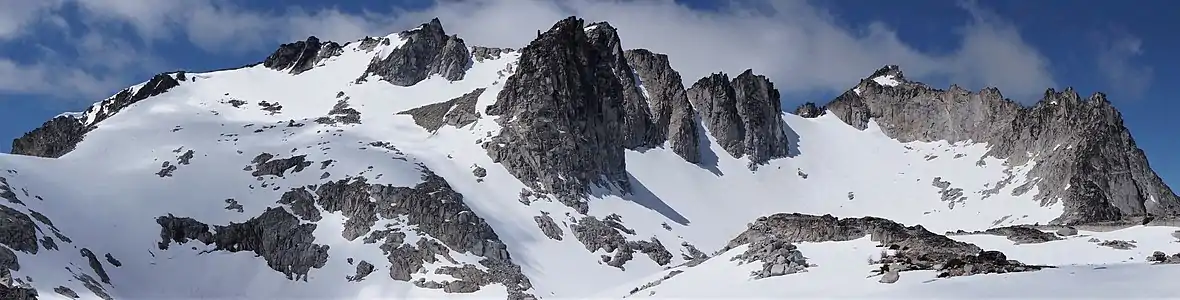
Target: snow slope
1086 270
107 193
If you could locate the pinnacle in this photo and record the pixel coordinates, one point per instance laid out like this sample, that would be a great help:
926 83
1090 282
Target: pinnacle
889 70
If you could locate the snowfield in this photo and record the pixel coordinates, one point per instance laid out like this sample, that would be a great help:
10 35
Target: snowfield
1086 270
136 166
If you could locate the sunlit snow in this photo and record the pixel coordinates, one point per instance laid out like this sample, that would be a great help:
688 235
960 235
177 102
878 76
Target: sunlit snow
887 80
1086 270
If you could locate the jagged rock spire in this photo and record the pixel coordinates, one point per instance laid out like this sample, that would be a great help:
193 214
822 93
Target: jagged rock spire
672 115
743 115
428 50
888 70
301 56
562 115
638 130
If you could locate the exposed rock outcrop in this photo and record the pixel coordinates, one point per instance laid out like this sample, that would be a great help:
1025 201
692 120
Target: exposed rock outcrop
266 165
916 248
1161 258
8 261
608 235
808 228
301 56
17 231
479 53
655 283
159 84
6 193
743 115
1076 143
17 293
428 50
1021 234
456 112
341 113
672 115
1118 244
276 235
95 265
562 118
986 262
67 292
55 138
778 258
435 213
548 226
363 269
809 110
434 208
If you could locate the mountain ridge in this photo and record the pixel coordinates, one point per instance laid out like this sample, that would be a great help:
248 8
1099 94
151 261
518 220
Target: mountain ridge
418 174
1092 124
303 55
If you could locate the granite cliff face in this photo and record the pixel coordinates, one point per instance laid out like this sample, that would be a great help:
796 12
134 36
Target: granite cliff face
562 114
743 114
638 130
1084 155
576 81
672 116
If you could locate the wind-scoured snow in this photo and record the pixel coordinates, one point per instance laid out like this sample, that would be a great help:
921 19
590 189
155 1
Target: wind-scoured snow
107 193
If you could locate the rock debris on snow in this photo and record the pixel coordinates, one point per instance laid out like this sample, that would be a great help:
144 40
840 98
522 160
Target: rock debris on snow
456 112
1021 234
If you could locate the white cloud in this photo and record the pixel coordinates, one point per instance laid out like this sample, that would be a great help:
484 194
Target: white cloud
52 79
16 16
1116 60
219 26
800 46
993 53
98 51
149 18
92 65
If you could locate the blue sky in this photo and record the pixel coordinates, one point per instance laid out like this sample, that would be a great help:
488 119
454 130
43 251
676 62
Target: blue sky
62 55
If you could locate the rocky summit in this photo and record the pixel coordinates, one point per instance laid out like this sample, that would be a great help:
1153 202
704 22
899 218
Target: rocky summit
414 165
1072 141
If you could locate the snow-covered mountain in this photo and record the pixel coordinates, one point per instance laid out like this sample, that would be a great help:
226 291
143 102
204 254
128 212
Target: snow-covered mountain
414 165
